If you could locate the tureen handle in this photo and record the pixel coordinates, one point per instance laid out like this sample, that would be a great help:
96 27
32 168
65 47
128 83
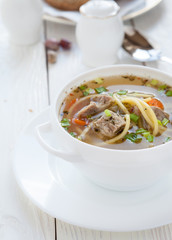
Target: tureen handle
40 130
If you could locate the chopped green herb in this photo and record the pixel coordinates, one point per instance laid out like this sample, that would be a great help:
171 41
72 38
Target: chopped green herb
146 134
162 87
98 80
141 130
150 138
91 91
88 91
85 93
169 93
134 117
154 82
83 87
159 122
110 94
73 134
65 122
167 139
122 92
107 113
165 121
133 137
101 89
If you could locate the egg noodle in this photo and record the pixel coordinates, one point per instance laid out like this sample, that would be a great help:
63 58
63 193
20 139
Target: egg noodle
119 103
145 110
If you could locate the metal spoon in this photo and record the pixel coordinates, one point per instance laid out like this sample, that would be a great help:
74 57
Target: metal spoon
140 48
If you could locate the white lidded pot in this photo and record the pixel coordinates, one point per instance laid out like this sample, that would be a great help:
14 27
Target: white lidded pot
99 32
111 168
23 20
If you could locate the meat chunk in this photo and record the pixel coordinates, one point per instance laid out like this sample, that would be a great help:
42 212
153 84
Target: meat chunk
97 104
109 127
136 110
160 114
144 123
115 108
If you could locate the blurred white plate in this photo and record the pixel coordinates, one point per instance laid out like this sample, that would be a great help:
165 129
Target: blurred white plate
129 9
57 188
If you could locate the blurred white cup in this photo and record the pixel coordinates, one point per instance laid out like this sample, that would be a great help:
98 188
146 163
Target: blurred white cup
99 32
23 20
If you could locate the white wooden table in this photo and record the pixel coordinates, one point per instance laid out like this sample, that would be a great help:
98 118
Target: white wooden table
27 86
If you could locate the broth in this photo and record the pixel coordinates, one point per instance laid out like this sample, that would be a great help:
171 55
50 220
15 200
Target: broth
125 89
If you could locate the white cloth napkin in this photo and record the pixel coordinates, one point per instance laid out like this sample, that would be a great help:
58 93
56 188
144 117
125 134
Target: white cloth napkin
127 6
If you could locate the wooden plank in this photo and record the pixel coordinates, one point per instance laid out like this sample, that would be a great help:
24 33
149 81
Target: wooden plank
67 231
23 94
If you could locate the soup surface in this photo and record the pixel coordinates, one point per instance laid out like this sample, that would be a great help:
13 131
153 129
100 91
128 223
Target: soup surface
119 112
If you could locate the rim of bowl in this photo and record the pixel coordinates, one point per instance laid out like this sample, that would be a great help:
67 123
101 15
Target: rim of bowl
65 88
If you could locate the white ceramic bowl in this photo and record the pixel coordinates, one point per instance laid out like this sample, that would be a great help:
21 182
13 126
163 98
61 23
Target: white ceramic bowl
114 169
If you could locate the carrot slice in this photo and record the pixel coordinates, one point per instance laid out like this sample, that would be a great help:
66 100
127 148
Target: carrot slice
72 102
156 103
79 122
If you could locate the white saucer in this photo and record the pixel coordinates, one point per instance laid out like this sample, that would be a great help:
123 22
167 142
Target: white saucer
57 188
127 10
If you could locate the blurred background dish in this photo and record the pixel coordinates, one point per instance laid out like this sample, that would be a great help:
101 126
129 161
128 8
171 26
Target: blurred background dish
69 5
129 9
